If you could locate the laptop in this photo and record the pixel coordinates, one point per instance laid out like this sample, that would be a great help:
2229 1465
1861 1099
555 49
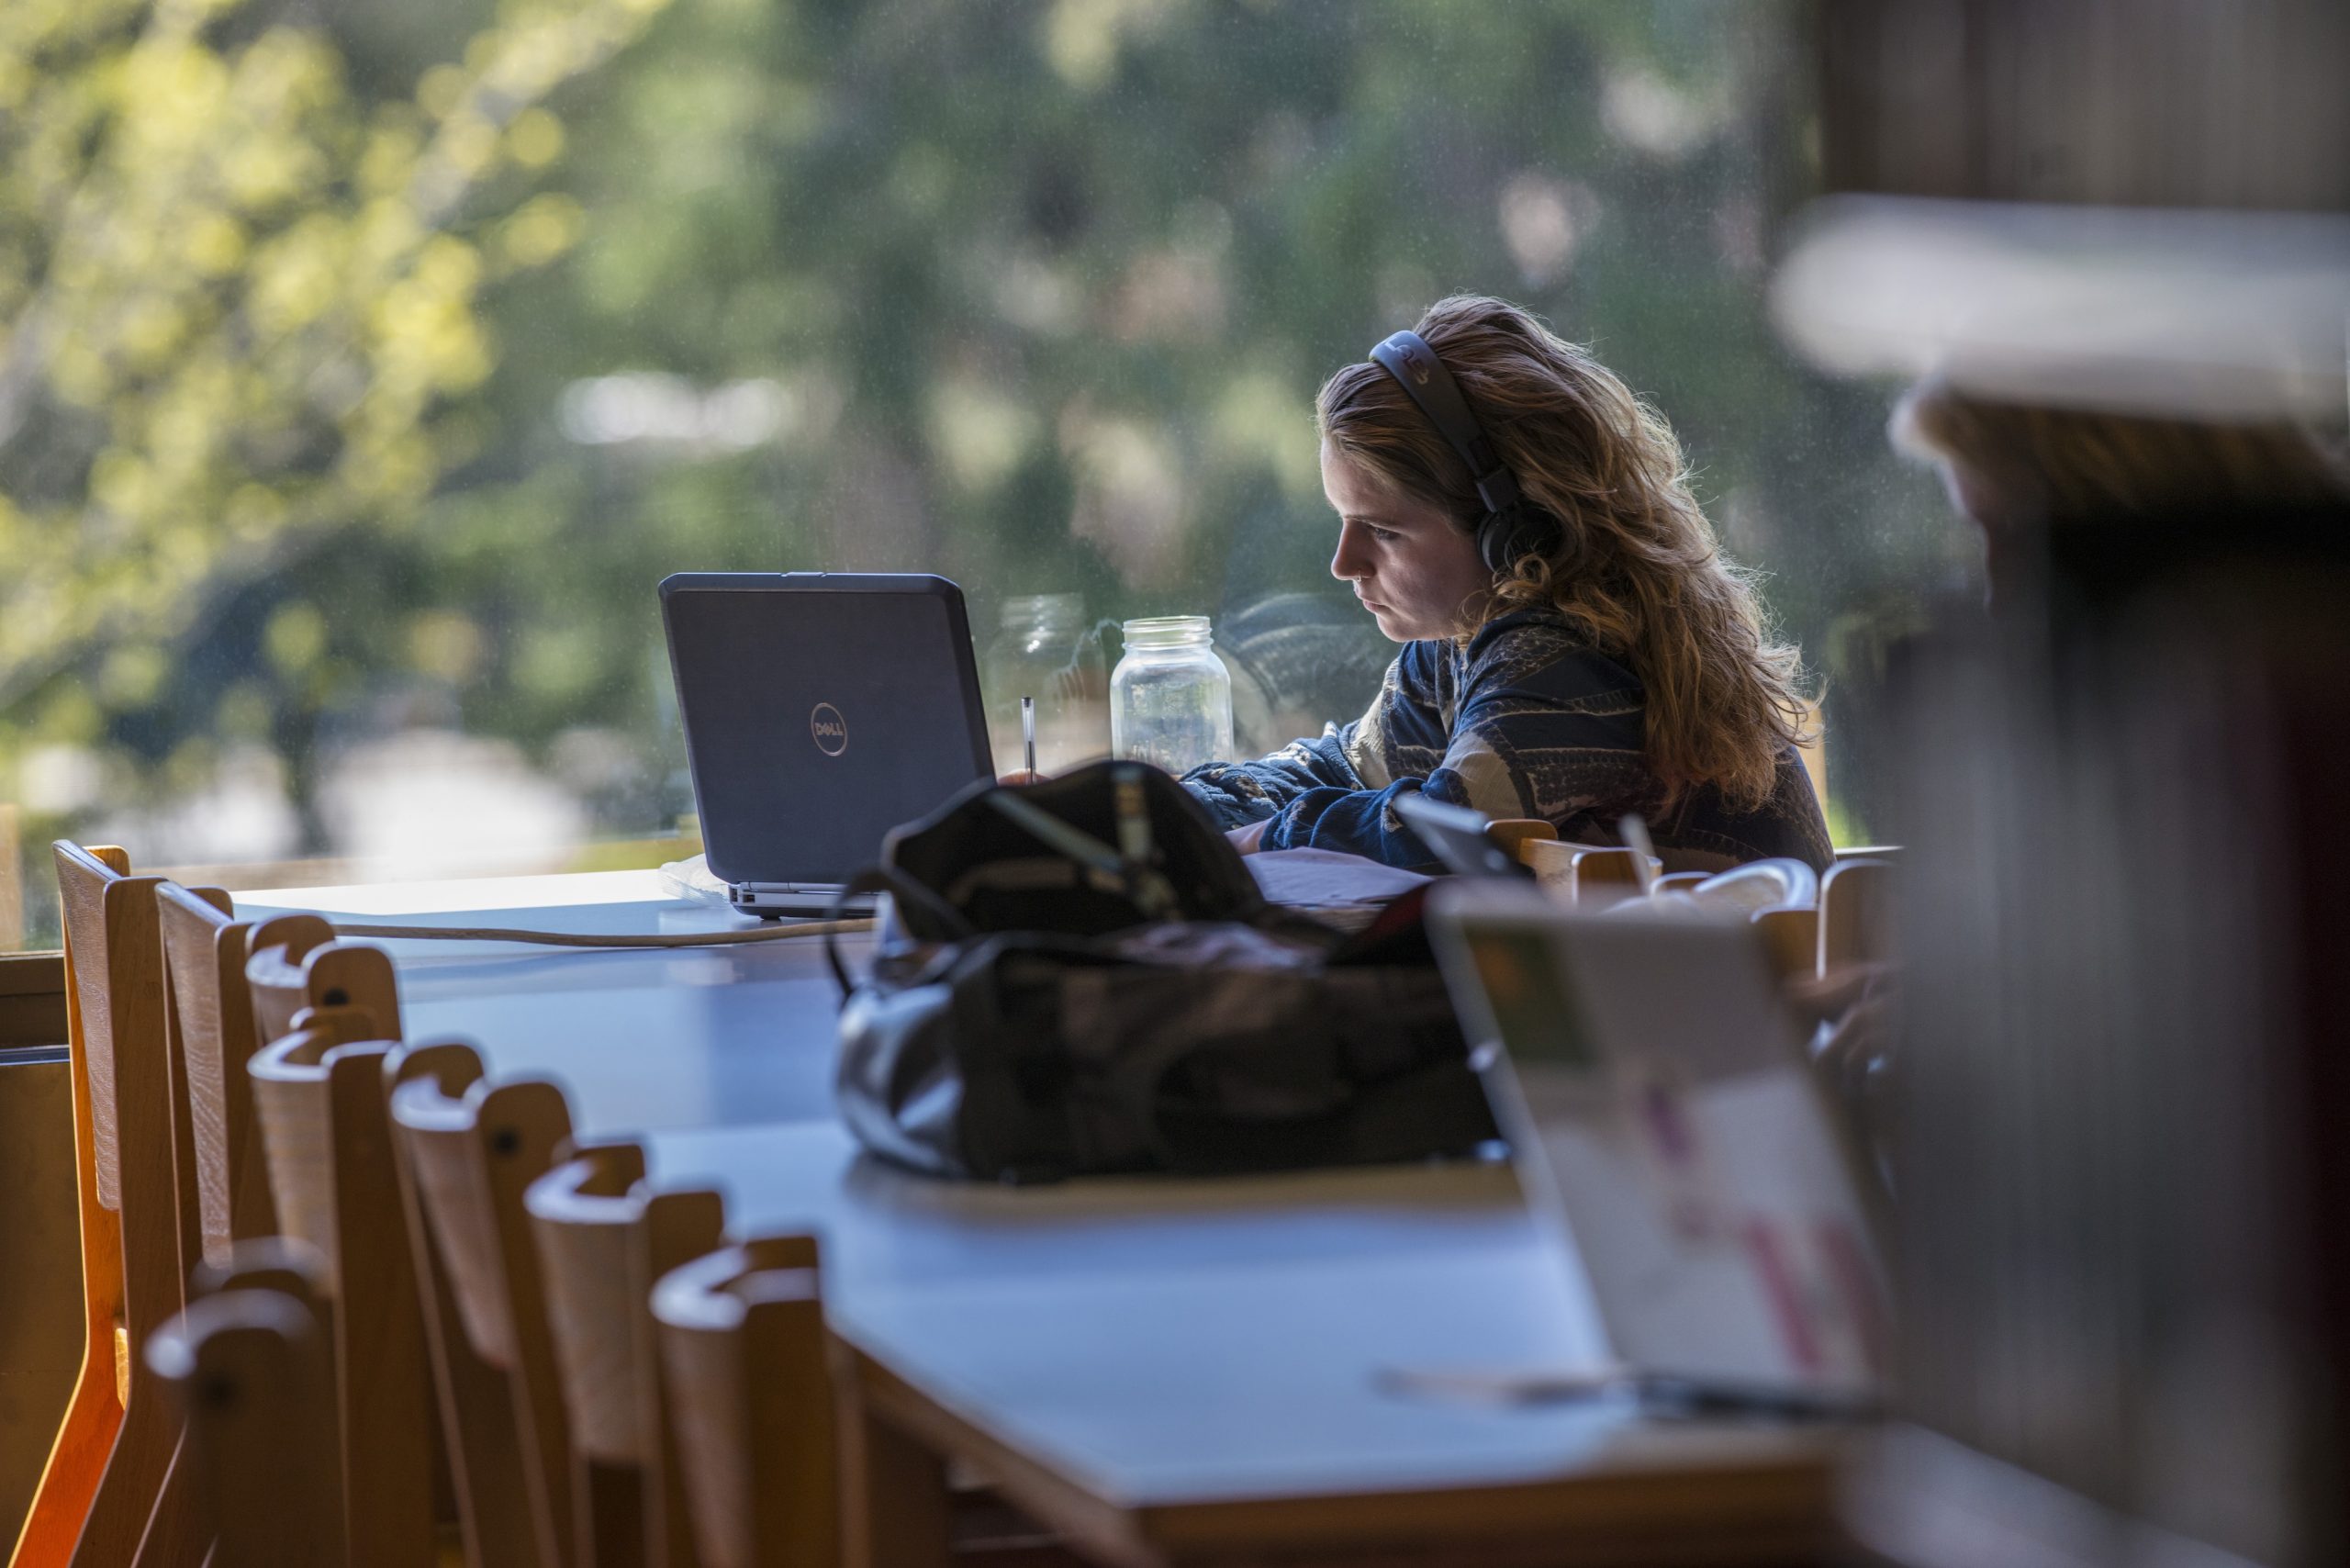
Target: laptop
1661 1113
820 709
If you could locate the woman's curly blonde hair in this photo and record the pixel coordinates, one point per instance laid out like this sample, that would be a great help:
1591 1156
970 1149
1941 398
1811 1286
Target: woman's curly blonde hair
1634 566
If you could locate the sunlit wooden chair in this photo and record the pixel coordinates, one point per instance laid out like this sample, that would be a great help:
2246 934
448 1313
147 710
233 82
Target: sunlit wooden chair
471 1149
742 1345
1856 913
1790 936
1586 875
94 1411
113 1492
318 1091
250 1367
1758 885
1515 834
212 1013
603 1238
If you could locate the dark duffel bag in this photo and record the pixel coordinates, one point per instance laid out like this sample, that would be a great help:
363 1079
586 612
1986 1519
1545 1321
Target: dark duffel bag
1081 976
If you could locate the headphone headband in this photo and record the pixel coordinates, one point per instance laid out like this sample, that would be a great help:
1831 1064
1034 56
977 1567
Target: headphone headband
1416 368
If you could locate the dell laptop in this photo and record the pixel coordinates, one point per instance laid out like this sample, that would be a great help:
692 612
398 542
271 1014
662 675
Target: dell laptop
1663 1114
821 711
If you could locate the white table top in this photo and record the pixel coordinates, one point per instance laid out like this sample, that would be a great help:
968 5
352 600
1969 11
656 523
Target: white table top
1171 1341
637 1039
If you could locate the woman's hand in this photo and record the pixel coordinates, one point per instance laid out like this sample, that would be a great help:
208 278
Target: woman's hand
1250 839
1020 776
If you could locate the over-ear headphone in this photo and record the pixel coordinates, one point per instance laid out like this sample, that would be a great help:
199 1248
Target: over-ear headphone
1511 527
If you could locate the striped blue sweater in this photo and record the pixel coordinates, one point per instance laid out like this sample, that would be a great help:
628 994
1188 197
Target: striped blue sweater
1526 722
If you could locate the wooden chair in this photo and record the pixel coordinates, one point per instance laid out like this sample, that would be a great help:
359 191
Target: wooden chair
1855 913
86 1436
471 1149
479 1471
297 964
1758 885
1586 875
250 1370
1513 834
212 1016
318 1091
603 1239
743 1343
114 1492
1790 934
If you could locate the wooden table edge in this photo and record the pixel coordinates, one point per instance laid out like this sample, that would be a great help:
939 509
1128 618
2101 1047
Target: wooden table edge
1773 1507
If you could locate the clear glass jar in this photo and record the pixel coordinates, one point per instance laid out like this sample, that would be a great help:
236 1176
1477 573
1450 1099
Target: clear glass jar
1170 696
1044 648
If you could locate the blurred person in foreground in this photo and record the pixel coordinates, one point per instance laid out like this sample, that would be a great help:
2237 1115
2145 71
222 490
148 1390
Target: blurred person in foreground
2015 468
2112 494
1610 661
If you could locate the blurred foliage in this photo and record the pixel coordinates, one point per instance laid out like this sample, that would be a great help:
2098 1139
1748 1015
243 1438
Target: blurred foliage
364 367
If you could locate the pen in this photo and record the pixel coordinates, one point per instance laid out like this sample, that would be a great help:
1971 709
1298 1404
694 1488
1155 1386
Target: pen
1028 735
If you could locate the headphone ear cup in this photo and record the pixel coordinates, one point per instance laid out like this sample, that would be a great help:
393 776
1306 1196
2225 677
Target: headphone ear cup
1508 535
1494 535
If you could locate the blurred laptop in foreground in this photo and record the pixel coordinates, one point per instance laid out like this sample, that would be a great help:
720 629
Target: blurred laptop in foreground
1661 1113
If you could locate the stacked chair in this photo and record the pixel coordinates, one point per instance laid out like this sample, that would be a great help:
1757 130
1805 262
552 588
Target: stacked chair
352 1303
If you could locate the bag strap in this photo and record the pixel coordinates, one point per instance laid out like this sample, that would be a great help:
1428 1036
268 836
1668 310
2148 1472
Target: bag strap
1127 869
898 886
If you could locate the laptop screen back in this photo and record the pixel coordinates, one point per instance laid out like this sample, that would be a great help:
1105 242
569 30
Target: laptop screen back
1661 1109
821 711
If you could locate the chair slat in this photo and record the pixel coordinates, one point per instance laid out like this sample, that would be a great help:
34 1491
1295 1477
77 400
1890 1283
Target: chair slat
203 948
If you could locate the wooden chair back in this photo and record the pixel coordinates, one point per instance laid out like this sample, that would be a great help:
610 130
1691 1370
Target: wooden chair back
471 1148
250 1368
297 964
1513 834
1856 913
1585 875
119 1496
742 1346
1758 885
317 1095
211 1007
603 1239
1790 936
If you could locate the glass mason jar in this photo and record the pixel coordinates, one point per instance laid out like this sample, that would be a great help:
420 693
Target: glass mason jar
1044 648
1170 696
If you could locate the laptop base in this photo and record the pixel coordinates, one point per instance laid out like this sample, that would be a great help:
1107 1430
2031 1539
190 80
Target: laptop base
785 901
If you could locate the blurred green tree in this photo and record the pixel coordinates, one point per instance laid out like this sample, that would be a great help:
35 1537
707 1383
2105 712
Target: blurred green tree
242 315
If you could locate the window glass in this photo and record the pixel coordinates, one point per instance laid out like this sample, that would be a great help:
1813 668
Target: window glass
366 365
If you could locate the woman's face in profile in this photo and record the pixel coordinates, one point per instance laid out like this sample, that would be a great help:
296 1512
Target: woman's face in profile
1414 569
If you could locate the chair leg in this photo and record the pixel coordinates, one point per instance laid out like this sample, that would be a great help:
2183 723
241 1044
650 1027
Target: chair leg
77 1460
610 1503
126 1495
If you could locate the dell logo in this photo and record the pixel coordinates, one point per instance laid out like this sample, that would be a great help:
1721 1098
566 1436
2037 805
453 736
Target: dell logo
829 728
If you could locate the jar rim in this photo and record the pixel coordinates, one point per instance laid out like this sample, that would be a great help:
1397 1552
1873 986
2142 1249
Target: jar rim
1166 631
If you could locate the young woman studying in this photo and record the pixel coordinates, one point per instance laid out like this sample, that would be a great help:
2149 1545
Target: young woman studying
1575 648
